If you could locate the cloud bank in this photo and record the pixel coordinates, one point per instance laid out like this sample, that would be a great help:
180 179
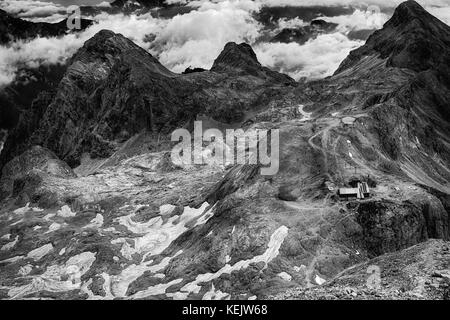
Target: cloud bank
315 59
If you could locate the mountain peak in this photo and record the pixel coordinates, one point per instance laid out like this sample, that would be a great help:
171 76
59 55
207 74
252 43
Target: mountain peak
104 43
105 49
236 56
409 13
412 38
241 59
409 9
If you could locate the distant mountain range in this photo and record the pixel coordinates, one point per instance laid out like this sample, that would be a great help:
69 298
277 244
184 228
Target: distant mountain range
12 28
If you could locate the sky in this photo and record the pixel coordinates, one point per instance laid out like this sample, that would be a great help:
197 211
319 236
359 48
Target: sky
196 38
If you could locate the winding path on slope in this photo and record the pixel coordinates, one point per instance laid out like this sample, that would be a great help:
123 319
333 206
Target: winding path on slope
325 137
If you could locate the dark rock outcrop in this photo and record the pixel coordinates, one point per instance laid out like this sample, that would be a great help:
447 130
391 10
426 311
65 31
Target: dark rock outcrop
193 70
389 226
36 159
240 58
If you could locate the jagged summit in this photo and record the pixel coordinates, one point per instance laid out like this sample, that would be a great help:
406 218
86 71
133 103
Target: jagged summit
107 45
236 56
412 38
407 11
240 58
104 42
410 15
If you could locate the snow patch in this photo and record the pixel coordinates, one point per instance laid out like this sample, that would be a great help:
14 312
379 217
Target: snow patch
166 209
65 212
97 222
38 253
319 280
12 260
285 276
25 270
214 294
272 251
53 227
156 289
51 279
120 283
10 245
306 115
22 210
157 234
6 236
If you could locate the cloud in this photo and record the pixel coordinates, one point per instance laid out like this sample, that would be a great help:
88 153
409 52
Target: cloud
29 8
355 3
284 23
359 20
34 53
315 59
196 39
53 50
192 39
441 13
104 4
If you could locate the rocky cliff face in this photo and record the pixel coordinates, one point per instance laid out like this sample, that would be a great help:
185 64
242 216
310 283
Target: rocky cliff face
134 225
389 226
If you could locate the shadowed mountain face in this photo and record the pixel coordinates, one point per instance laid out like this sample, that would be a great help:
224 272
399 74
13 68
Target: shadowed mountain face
135 225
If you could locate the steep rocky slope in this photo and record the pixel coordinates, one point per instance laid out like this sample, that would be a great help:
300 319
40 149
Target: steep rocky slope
128 223
419 272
